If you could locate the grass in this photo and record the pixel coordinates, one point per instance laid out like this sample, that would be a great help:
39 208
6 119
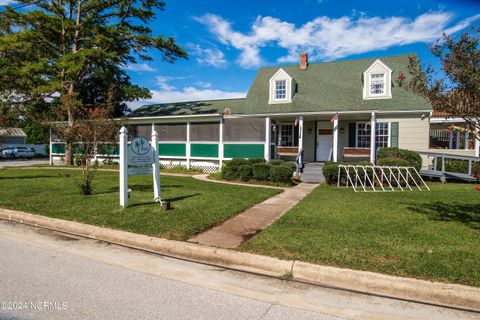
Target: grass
197 205
428 235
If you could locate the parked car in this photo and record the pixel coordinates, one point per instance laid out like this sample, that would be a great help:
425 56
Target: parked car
17 152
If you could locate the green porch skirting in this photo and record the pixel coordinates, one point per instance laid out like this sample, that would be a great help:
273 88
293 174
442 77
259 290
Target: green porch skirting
58 148
204 150
172 149
243 150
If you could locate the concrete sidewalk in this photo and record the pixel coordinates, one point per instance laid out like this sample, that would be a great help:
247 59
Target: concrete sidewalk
240 228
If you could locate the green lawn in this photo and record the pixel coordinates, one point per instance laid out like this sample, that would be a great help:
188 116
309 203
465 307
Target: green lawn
430 235
197 205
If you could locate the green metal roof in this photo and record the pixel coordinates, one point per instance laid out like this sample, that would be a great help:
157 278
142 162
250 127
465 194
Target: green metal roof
326 86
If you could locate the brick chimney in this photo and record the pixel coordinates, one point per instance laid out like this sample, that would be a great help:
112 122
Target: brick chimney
303 61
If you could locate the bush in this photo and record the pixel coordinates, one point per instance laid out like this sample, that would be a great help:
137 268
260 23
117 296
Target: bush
281 173
393 162
276 162
261 171
411 157
457 165
256 160
230 168
245 172
330 170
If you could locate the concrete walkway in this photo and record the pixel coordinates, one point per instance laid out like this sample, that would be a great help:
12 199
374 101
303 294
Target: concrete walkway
242 227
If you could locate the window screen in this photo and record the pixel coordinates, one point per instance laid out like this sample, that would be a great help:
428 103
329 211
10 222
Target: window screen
204 131
244 129
171 132
144 131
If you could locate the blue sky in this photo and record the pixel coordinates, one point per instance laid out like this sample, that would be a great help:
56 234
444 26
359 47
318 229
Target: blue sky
229 40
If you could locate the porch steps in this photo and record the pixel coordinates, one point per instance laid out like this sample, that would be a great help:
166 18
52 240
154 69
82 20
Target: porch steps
313 173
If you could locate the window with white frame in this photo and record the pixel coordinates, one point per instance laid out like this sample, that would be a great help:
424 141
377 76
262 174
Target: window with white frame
287 138
377 84
382 135
280 89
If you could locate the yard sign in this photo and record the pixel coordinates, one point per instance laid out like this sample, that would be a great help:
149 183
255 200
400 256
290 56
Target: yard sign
136 159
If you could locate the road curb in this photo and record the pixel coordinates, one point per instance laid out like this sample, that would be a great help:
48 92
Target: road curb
452 295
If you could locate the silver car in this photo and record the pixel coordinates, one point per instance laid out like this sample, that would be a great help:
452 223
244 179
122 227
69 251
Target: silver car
17 152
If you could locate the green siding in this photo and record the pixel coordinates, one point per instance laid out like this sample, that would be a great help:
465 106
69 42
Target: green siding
204 150
394 133
58 148
172 149
243 150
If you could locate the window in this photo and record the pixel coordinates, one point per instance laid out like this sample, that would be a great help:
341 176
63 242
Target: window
287 135
280 89
377 84
382 136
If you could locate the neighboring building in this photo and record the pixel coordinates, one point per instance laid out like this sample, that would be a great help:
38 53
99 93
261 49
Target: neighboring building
12 136
333 111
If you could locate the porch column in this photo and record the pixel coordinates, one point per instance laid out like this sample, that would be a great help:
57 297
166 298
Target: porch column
450 139
373 122
466 138
457 141
300 133
50 148
187 148
335 139
220 143
477 144
268 139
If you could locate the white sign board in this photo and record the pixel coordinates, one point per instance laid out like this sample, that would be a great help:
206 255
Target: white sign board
140 157
140 153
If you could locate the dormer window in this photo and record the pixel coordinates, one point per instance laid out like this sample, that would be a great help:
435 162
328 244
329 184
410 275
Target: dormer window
280 89
377 81
377 84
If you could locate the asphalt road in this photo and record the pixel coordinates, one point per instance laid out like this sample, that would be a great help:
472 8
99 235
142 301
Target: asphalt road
21 162
49 275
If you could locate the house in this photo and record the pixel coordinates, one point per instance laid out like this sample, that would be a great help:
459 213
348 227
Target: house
330 111
12 136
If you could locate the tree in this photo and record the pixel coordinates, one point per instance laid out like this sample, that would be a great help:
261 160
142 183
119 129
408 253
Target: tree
456 90
95 134
71 54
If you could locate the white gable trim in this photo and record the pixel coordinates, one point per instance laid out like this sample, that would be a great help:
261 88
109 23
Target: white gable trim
387 72
280 74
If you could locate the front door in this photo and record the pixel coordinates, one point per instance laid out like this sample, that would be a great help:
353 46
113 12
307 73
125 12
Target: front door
324 144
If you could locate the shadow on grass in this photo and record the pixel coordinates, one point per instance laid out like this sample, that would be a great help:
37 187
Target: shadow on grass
139 187
172 200
31 177
468 214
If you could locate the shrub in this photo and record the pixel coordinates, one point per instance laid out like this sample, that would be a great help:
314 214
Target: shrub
281 173
256 160
276 162
230 168
245 172
261 171
394 162
330 170
457 165
412 157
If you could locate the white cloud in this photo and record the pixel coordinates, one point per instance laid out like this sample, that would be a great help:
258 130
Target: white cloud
169 93
331 38
209 56
6 2
140 67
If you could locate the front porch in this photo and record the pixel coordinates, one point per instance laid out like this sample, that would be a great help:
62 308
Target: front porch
331 137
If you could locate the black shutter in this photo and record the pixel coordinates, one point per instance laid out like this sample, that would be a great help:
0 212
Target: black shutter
351 134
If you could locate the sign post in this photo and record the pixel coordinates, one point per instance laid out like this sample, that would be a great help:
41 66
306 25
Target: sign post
156 167
123 168
140 157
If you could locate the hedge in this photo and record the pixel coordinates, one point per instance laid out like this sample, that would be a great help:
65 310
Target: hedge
261 171
330 170
281 173
257 169
393 162
411 157
457 165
